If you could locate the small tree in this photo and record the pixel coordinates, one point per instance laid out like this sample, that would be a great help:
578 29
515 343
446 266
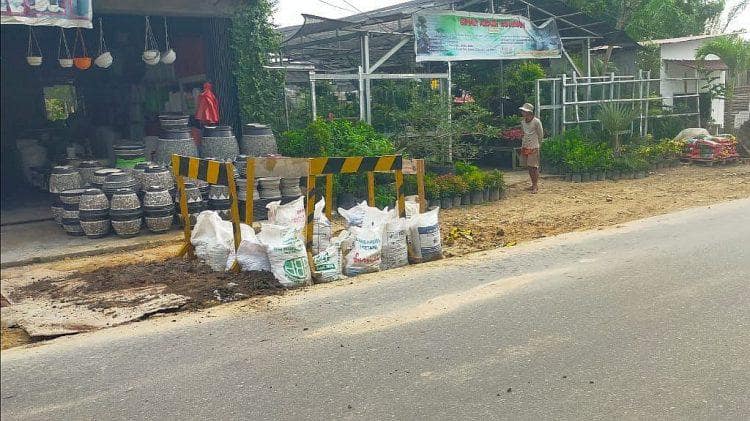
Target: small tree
615 118
733 51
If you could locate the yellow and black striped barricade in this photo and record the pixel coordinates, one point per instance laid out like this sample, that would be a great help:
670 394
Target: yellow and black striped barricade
270 167
212 172
359 164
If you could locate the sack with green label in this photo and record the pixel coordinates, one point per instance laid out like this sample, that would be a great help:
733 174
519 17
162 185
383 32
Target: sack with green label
286 254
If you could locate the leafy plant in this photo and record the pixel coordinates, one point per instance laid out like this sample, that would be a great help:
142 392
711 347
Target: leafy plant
614 119
464 168
431 187
733 51
475 181
495 179
252 38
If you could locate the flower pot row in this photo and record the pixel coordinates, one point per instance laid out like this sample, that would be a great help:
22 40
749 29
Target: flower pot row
470 198
615 175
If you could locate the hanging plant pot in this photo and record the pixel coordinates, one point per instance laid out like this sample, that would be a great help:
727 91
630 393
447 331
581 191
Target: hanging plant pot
151 54
64 57
104 58
169 55
82 62
33 57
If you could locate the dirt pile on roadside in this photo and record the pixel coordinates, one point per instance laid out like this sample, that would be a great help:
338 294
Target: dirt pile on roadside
562 206
189 278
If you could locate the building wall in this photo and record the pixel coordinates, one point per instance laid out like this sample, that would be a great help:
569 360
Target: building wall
686 51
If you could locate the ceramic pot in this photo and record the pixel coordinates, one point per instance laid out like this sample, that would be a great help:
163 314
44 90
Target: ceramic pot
270 187
446 203
258 140
477 197
104 60
64 178
117 181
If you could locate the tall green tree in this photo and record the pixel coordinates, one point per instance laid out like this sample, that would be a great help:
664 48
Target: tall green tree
253 39
654 19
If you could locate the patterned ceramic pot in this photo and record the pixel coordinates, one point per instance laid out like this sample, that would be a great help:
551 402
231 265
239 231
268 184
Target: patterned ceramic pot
63 178
270 187
87 169
258 140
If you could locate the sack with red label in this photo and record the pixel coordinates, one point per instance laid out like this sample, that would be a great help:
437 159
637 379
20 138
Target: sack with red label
365 255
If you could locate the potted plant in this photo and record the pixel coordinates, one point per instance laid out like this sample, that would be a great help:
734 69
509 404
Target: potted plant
496 184
475 181
461 189
432 190
445 185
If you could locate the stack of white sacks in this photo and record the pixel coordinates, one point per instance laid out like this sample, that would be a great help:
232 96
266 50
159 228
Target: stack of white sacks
373 240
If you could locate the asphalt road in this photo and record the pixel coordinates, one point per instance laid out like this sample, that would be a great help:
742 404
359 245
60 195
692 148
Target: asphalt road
647 320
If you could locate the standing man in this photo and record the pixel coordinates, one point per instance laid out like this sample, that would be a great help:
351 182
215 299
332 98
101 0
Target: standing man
532 135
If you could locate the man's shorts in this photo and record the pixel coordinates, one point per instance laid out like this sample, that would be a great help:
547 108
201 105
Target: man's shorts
530 160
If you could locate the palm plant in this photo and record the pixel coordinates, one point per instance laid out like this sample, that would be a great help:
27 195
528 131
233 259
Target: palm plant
615 118
733 51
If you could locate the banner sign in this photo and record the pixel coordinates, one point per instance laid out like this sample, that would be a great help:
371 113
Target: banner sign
454 36
63 13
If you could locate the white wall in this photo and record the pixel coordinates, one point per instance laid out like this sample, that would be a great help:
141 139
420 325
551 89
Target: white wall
686 51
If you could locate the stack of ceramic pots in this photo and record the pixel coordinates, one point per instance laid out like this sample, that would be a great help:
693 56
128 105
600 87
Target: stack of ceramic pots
57 209
270 188
87 169
290 187
70 217
63 178
155 175
138 170
195 203
118 181
218 200
93 212
173 121
100 176
219 142
204 188
240 166
125 212
127 156
176 141
158 208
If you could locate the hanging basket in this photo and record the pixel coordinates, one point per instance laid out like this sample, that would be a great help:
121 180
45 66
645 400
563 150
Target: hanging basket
151 54
104 59
33 57
64 58
169 55
82 62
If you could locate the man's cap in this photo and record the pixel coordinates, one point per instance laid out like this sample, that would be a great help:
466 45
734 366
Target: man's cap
527 107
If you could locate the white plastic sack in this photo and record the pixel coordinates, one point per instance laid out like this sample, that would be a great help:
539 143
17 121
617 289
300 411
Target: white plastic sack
321 228
291 214
251 254
395 251
365 256
355 216
328 264
424 237
286 254
691 133
411 208
212 240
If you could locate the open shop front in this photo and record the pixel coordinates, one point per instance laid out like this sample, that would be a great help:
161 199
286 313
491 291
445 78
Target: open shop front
77 106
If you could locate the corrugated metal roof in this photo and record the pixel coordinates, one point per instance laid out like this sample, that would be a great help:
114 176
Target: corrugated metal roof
333 44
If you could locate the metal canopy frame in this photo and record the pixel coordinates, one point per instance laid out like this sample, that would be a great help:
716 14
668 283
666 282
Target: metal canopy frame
333 49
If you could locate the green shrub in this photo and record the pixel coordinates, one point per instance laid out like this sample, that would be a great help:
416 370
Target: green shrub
463 168
475 181
334 138
495 179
